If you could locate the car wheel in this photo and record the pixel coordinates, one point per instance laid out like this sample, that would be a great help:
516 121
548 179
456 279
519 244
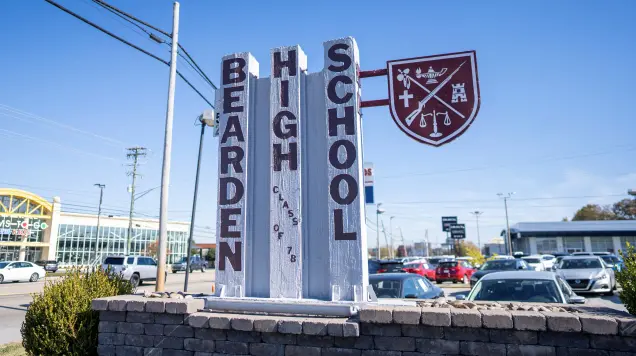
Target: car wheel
202 269
439 282
191 270
134 280
1 279
34 277
465 279
173 272
454 282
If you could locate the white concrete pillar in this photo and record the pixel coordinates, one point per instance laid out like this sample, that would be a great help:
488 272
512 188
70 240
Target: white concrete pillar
22 254
587 244
533 245
560 247
55 227
617 244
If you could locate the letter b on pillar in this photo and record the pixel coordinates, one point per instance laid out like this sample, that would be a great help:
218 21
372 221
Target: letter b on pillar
238 73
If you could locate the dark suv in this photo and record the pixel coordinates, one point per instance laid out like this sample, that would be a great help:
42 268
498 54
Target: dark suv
49 266
196 264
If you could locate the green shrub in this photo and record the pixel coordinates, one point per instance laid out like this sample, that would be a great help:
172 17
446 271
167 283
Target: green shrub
60 320
627 279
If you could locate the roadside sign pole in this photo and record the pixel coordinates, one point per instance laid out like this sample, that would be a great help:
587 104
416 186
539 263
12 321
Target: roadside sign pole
194 209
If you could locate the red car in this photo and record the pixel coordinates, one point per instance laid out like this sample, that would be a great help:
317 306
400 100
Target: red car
423 269
454 271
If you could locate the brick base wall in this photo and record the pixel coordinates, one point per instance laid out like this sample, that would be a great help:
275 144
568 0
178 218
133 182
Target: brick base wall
134 325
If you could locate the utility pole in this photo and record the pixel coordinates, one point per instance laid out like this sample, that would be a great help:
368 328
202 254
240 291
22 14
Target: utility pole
167 155
378 211
505 197
386 240
426 242
133 153
477 214
391 234
406 253
99 213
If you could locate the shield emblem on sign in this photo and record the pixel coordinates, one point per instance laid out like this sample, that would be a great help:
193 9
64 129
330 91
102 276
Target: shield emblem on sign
434 99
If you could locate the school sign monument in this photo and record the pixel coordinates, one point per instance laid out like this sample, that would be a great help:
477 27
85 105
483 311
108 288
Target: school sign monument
291 217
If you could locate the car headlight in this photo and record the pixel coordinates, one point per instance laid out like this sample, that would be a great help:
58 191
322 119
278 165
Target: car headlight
602 277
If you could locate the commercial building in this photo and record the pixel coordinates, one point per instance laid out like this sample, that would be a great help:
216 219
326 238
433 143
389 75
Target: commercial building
32 228
494 246
573 236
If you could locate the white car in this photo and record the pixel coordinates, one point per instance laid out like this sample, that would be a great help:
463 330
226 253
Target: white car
20 271
534 262
137 269
548 261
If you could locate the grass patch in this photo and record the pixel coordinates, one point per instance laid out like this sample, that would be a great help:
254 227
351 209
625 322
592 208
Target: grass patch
12 349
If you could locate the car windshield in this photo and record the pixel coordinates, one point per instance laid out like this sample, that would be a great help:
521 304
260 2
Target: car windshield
3 264
610 259
447 264
392 266
532 260
386 288
412 265
516 290
499 265
581 263
115 261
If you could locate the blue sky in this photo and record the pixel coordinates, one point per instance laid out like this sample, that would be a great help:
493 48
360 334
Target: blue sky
556 122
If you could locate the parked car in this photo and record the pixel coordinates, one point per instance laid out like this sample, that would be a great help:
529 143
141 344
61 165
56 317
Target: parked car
423 269
502 257
613 261
389 266
435 260
453 271
49 266
196 264
587 274
403 285
527 286
534 262
374 266
548 261
498 266
20 271
137 269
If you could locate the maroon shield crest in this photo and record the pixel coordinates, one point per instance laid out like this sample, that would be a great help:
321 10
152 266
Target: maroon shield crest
434 99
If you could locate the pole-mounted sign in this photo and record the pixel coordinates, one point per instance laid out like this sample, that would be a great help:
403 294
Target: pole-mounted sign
447 221
369 197
458 231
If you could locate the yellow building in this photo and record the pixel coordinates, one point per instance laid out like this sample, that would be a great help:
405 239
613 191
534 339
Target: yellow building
32 228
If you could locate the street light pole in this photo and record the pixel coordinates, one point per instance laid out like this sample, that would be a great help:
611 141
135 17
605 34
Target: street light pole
167 153
378 211
99 213
204 121
508 238
391 239
477 214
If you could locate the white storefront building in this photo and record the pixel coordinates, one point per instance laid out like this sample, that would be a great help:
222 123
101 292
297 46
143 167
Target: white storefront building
32 228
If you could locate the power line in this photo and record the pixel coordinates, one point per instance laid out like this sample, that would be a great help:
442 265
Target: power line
129 44
12 133
629 147
31 116
130 18
493 200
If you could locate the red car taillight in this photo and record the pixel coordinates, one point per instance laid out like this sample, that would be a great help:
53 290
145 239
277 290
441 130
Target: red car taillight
381 270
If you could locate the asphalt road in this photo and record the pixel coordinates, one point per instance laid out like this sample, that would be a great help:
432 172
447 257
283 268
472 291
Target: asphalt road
15 298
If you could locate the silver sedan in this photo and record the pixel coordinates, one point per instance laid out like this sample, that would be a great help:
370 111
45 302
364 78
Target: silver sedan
523 286
587 274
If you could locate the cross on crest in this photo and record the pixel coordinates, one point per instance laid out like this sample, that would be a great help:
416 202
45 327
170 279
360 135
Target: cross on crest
417 97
